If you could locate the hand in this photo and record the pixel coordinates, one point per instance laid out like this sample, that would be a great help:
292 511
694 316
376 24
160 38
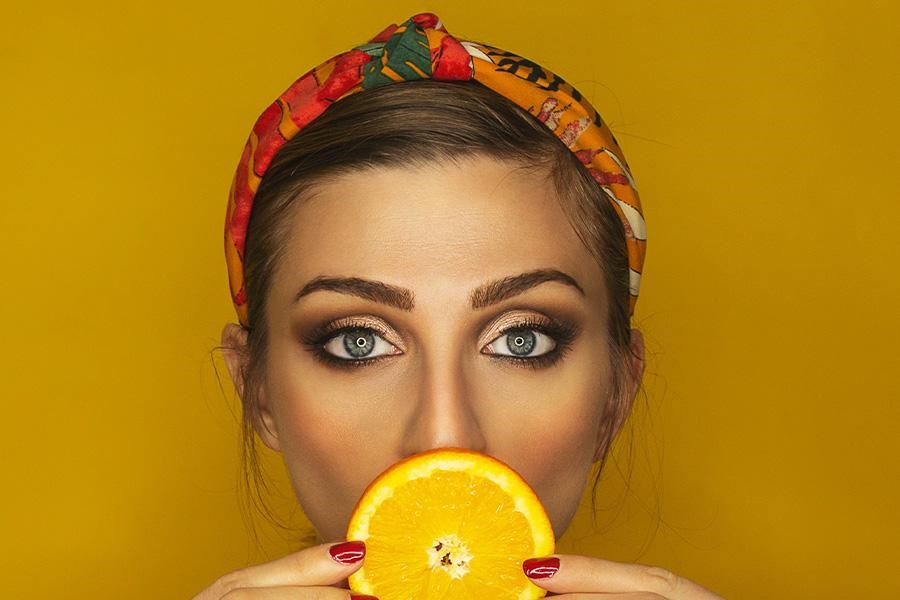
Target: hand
312 573
583 577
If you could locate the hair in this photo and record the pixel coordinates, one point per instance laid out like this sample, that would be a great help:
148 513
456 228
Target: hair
414 124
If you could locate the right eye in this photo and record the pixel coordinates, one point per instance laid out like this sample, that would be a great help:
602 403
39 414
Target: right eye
359 343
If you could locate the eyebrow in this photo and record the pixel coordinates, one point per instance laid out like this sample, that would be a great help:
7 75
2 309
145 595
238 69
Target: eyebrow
484 295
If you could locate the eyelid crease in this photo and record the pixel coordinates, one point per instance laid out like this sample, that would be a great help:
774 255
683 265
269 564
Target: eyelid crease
517 318
494 328
326 332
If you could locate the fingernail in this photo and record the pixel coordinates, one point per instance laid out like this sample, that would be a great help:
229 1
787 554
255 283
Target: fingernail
360 597
348 553
541 568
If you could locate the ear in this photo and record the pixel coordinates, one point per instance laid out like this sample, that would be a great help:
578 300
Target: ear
236 353
617 409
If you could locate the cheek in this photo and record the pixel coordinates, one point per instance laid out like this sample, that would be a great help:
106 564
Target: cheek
552 441
323 443
557 459
315 453
559 440
337 432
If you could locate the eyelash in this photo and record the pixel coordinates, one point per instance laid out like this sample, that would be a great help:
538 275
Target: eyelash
561 333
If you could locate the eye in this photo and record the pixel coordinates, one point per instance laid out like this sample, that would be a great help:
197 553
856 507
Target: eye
524 342
359 343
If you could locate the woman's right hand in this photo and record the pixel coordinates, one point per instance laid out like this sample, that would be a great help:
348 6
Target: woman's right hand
314 573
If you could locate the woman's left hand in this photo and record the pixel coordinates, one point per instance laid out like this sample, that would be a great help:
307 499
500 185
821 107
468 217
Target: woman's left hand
583 577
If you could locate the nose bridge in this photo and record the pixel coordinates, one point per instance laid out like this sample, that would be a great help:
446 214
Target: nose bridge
444 415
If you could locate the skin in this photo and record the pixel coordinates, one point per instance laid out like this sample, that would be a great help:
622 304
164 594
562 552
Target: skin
442 233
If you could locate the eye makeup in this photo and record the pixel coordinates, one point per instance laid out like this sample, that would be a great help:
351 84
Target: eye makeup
561 332
316 340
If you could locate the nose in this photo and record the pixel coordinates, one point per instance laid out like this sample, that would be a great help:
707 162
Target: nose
444 414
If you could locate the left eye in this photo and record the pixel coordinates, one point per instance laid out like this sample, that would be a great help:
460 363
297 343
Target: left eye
358 344
521 342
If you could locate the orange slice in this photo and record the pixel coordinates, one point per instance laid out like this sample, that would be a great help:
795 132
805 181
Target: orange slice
448 524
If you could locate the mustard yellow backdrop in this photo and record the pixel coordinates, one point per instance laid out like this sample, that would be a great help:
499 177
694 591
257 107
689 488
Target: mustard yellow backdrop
763 136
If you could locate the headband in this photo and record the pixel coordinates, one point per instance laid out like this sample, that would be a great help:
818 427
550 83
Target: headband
421 48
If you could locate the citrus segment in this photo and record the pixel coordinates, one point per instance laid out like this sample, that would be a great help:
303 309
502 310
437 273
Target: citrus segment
447 524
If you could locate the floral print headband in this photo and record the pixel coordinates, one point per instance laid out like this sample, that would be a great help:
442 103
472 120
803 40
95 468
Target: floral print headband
421 48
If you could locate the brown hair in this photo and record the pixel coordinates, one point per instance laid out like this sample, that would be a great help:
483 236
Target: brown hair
414 123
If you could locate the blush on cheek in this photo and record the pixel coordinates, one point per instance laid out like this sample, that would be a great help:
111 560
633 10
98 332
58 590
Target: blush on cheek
556 461
324 486
330 449
319 454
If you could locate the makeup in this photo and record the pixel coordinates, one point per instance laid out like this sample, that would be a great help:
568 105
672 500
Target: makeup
323 339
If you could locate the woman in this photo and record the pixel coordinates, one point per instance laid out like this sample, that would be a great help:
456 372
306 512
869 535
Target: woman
449 262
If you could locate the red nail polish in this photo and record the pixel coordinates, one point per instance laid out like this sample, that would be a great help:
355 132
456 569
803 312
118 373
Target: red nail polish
348 553
362 597
541 568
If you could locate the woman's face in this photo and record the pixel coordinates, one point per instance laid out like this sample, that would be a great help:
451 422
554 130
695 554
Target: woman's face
417 308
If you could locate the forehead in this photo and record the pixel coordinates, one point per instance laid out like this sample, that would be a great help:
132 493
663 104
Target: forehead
442 226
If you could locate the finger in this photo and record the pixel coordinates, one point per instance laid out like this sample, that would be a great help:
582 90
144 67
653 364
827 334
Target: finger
562 573
322 565
293 593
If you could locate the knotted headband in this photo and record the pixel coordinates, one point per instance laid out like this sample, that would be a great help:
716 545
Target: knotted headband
421 48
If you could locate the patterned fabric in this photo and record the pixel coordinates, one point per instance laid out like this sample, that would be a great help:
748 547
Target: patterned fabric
421 48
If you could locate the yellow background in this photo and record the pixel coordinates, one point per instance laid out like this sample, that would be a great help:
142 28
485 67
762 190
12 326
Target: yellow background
763 136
